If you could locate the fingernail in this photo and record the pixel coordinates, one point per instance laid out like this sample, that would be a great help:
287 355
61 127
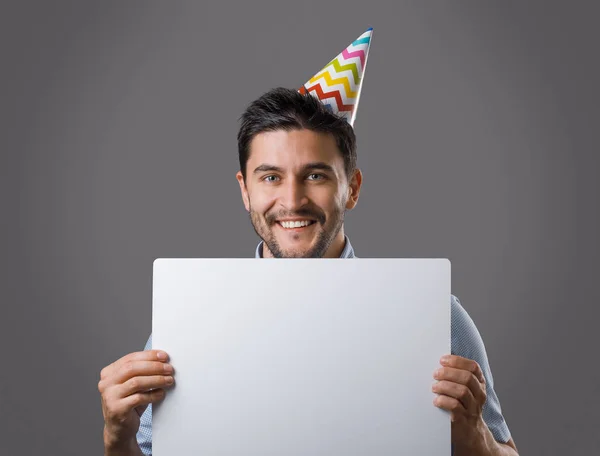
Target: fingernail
445 359
161 355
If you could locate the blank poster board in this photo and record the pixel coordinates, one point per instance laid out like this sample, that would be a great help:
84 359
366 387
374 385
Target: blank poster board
301 357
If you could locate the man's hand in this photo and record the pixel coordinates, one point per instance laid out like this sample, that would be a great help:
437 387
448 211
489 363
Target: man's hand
127 386
461 391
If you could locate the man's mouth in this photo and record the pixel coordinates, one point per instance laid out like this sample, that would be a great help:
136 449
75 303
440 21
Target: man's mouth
295 224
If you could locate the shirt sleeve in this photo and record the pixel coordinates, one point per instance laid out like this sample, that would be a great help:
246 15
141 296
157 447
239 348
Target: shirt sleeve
467 343
144 434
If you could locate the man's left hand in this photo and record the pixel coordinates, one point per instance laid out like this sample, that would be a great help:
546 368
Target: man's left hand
461 391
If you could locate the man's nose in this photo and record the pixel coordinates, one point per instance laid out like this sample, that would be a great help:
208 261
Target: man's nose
293 195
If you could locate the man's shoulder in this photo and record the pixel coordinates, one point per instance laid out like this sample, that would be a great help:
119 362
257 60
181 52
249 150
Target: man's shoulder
459 314
466 339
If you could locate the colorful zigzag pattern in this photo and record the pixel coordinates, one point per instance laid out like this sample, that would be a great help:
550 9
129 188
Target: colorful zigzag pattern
339 83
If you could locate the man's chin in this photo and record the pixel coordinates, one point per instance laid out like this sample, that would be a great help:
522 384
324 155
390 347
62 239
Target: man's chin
296 252
292 251
297 255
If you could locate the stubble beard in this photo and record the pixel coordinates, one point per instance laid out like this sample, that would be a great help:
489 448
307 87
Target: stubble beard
264 230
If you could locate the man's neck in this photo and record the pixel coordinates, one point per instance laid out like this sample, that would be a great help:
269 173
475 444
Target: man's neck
334 251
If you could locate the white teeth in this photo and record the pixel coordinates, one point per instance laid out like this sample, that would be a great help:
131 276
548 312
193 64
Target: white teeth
295 224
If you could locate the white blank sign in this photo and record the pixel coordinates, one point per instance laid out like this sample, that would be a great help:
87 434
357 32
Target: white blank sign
301 357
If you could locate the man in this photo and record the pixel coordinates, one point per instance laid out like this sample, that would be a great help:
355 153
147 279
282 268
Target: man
297 178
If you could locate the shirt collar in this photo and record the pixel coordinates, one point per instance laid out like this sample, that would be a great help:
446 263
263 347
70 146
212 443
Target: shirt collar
347 252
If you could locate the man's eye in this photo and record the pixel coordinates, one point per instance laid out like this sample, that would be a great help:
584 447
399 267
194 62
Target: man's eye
316 176
270 178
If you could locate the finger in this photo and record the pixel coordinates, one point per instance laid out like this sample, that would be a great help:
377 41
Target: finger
146 355
452 374
141 399
458 392
144 384
462 377
133 369
449 403
458 362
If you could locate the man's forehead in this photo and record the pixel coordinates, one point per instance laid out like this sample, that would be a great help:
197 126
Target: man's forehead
294 148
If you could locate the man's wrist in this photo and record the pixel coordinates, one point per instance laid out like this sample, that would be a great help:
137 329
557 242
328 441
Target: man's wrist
117 447
478 442
482 443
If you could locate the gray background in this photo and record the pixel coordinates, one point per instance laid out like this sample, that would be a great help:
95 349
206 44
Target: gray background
477 134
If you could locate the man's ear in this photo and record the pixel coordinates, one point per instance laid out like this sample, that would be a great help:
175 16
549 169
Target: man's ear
354 189
243 189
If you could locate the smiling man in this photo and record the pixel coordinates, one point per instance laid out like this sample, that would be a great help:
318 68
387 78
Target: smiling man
298 176
297 198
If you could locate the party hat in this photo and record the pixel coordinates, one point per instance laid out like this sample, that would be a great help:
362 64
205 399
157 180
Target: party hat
338 85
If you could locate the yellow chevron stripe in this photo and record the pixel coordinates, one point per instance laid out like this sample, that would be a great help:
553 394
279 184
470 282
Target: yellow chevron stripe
349 66
343 80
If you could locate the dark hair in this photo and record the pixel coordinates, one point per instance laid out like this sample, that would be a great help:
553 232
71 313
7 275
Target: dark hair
285 109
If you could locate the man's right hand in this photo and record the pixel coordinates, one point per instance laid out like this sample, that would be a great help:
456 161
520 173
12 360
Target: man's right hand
127 386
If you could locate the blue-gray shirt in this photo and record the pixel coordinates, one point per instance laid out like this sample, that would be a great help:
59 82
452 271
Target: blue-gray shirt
465 341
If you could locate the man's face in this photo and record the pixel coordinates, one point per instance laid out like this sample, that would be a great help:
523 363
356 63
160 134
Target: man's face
296 192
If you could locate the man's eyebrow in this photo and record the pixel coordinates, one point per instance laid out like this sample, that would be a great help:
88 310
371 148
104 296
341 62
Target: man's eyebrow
318 165
266 167
309 166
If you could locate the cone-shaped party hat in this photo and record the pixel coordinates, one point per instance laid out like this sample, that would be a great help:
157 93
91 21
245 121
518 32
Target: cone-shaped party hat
338 85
